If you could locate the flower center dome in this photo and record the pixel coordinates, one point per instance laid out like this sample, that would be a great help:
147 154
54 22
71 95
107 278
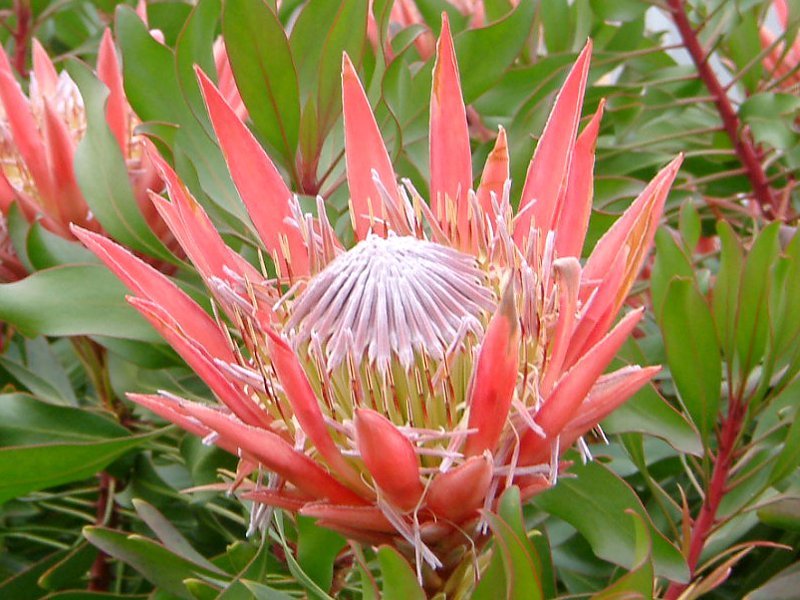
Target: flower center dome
391 297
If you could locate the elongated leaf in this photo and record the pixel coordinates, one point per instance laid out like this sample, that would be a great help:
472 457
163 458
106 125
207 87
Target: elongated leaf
693 352
47 250
399 581
671 261
782 586
25 469
484 54
24 583
40 372
194 47
168 535
265 74
638 582
70 570
102 174
317 549
753 324
25 421
157 564
782 512
726 290
72 300
595 503
788 458
146 61
521 564
325 29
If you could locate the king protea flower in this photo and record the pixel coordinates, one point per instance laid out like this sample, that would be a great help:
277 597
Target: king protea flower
40 132
393 390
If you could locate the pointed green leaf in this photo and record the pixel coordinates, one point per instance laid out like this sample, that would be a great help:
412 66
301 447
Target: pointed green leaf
594 502
102 175
72 300
693 355
265 72
399 580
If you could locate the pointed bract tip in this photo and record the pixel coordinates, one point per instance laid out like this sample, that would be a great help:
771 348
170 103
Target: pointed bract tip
347 65
445 37
501 143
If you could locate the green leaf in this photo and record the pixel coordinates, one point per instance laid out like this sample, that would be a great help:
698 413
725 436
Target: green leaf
693 355
671 261
766 114
782 586
168 535
25 468
558 28
782 512
484 54
40 372
788 459
194 47
46 249
314 590
521 564
102 175
317 549
145 61
752 330
25 421
619 10
399 580
324 30
70 570
25 583
265 73
744 44
158 565
647 412
726 290
264 592
637 583
595 503
689 225
491 580
72 300
18 229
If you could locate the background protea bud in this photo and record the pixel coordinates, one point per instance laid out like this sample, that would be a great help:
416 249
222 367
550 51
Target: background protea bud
396 388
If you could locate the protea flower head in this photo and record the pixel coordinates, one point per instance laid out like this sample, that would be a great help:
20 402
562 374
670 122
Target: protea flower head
395 389
40 131
781 63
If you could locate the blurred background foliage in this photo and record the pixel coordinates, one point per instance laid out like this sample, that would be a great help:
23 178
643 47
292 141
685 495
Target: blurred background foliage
92 489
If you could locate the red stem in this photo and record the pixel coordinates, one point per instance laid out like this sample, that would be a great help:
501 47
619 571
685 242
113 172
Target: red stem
22 34
100 573
742 143
716 489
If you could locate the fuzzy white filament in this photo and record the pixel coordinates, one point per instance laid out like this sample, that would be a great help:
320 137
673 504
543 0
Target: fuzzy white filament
395 296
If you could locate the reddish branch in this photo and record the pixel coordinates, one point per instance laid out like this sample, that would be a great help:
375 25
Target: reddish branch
22 35
703 525
100 573
742 143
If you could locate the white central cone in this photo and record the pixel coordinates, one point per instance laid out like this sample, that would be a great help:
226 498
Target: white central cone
391 296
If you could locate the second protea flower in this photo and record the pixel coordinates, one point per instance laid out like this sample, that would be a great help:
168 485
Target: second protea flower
39 133
395 389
